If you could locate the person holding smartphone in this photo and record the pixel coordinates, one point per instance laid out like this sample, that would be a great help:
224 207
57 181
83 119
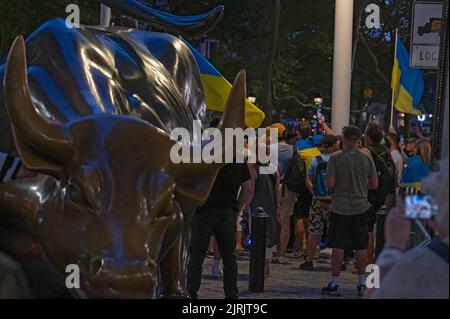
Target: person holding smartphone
422 272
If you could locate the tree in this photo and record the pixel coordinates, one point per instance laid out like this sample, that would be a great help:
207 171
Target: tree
269 59
25 16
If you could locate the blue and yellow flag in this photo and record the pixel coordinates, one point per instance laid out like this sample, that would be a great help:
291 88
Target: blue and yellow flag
407 83
217 89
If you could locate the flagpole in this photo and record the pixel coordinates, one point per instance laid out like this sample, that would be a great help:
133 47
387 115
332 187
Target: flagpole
393 91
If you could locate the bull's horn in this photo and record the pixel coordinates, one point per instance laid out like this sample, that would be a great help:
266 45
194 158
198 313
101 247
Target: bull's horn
234 113
188 25
37 132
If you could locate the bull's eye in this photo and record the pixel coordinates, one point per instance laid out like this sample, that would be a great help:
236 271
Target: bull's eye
75 195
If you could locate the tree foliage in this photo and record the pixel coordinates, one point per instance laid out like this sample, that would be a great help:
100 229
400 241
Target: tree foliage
303 61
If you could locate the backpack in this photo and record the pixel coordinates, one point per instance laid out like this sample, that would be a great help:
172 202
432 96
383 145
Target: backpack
295 175
320 173
386 171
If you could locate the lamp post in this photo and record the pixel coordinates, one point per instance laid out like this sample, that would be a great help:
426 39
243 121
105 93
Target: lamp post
342 64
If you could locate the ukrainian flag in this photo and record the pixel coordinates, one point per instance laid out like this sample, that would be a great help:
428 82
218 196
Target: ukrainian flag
217 89
407 83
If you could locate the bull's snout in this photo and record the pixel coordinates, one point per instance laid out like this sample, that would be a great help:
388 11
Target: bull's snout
120 274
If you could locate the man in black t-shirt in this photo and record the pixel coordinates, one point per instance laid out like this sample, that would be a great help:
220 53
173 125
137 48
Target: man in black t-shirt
218 218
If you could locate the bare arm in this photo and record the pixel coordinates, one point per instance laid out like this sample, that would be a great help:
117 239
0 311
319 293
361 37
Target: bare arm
277 190
372 183
245 196
253 176
278 197
309 184
330 181
324 125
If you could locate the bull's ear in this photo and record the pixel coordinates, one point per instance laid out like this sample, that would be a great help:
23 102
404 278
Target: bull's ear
193 190
35 161
195 181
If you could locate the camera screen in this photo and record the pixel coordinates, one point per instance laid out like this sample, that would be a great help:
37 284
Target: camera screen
420 207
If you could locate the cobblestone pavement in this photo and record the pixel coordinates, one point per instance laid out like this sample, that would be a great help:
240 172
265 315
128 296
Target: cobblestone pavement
285 281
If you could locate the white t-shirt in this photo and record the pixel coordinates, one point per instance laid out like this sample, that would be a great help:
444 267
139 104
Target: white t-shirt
398 161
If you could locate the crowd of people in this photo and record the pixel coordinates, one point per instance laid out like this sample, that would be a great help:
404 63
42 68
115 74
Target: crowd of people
330 186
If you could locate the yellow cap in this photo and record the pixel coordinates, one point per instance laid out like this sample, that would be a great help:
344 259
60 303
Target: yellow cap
280 127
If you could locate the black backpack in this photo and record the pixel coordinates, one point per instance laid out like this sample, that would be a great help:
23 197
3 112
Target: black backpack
386 170
295 175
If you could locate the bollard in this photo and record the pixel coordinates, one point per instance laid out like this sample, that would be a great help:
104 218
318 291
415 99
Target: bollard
381 220
257 250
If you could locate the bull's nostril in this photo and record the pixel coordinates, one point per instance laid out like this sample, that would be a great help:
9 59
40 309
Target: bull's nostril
96 265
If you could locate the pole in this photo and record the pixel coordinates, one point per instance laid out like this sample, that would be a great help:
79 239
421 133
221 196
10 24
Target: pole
440 117
342 64
105 15
257 250
393 91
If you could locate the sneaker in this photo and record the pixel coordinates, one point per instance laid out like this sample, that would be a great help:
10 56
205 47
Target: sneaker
216 272
331 291
282 261
307 265
343 267
361 289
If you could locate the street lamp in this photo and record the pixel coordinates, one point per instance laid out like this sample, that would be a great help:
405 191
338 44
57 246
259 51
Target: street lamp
318 101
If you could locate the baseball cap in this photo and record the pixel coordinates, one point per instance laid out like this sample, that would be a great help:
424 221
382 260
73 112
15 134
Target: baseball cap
352 132
329 140
317 139
411 140
280 127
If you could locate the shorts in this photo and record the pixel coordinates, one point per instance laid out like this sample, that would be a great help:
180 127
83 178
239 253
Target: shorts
319 215
346 229
303 205
287 201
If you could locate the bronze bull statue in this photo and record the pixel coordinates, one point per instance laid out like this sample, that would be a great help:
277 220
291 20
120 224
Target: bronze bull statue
91 110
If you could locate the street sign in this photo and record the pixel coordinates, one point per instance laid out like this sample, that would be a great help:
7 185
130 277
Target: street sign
425 56
426 30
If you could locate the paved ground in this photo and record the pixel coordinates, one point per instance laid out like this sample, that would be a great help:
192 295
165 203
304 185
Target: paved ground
285 282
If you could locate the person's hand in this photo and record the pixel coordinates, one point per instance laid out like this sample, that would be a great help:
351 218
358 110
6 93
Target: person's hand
441 230
392 129
397 228
321 120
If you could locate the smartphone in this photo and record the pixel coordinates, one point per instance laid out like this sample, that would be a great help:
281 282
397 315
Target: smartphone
420 207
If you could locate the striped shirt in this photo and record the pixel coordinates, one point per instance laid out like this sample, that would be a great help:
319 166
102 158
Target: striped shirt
9 167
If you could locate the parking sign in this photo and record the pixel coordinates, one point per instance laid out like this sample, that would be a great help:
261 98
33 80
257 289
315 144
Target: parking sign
426 30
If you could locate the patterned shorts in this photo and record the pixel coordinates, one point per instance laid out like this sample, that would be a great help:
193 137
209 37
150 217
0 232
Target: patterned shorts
287 201
319 215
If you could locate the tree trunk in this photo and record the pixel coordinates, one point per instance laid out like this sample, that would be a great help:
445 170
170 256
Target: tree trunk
361 5
269 59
